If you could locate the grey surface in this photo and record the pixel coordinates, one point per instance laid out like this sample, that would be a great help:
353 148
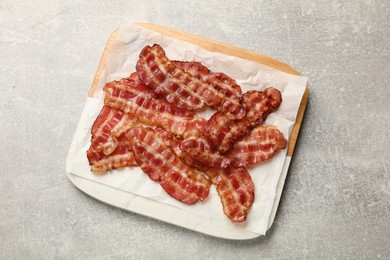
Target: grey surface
336 199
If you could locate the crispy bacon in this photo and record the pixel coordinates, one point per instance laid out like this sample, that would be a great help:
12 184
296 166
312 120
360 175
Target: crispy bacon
236 190
234 185
259 104
157 72
134 76
183 152
193 151
200 150
218 80
227 88
162 165
135 98
179 87
109 124
174 143
122 156
222 130
257 146
170 140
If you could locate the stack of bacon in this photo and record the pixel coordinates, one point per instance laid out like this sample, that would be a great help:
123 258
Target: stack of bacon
149 120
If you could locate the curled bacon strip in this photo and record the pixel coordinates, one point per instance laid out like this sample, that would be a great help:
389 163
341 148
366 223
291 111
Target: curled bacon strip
157 71
218 80
236 190
222 130
259 104
122 156
135 98
259 145
109 124
226 86
162 165
179 87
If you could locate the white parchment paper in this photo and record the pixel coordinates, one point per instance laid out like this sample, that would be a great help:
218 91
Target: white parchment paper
249 75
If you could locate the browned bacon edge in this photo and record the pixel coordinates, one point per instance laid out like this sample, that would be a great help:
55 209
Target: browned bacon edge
134 76
236 190
223 130
162 165
135 98
122 156
109 124
179 87
257 146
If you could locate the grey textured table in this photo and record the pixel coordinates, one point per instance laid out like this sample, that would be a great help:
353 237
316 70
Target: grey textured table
336 198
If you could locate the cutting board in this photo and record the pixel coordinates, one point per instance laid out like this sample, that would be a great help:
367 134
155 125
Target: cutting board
149 208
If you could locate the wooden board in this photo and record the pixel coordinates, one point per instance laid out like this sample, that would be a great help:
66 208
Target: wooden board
216 46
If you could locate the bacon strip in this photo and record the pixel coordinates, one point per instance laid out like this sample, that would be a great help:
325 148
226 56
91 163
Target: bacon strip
135 98
161 75
234 185
227 88
259 145
162 165
193 150
179 87
200 150
259 104
218 80
109 124
222 130
121 157
174 143
236 190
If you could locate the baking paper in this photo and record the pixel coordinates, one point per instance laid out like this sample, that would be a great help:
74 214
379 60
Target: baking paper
249 75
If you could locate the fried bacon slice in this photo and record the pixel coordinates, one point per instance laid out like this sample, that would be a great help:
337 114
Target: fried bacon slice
162 165
259 104
226 86
257 146
236 190
135 98
223 130
179 87
157 72
220 81
109 124
234 185
200 150
122 156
